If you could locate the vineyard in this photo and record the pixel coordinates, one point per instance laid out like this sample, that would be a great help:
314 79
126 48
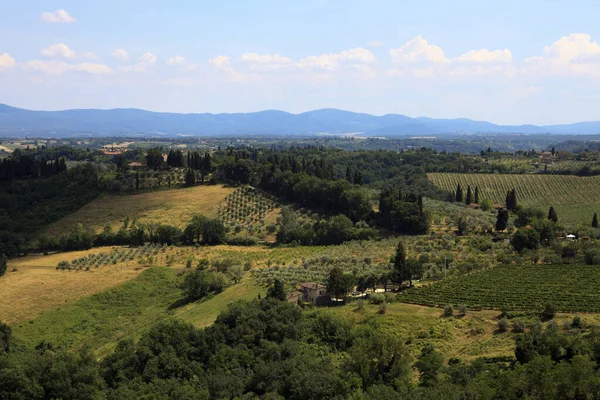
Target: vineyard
575 198
571 288
116 255
246 209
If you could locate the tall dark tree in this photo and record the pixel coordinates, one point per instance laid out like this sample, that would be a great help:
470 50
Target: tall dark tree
137 180
459 194
469 199
338 284
476 194
400 273
595 221
553 151
277 291
358 178
502 220
552 215
190 177
511 200
420 203
349 175
154 158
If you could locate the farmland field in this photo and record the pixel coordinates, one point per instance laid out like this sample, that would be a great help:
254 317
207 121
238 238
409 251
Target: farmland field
173 207
571 288
574 198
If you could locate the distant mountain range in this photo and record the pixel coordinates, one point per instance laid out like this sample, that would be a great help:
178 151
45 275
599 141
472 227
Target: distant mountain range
20 122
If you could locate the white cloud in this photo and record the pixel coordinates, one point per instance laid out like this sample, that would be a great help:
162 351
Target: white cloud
54 67
486 56
572 55
332 61
221 62
92 68
177 60
146 60
575 47
121 54
375 43
60 49
265 58
57 17
6 61
88 55
417 50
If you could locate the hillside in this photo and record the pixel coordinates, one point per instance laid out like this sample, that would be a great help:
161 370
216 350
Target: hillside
574 198
19 122
174 207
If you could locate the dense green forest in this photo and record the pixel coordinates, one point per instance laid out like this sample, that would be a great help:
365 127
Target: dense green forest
272 349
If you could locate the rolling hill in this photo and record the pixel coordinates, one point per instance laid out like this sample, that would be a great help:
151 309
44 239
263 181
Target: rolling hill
20 122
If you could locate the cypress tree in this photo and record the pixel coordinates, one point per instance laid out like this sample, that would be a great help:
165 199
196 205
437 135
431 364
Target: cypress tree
420 202
595 221
476 194
137 180
513 199
400 263
469 195
552 215
459 194
349 176
502 220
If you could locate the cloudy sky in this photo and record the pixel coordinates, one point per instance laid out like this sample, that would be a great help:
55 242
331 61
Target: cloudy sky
512 62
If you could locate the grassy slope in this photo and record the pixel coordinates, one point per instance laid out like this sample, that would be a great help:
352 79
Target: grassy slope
174 207
37 286
100 320
575 198
204 312
468 337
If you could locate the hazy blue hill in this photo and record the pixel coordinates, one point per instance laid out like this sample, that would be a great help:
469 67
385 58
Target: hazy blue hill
16 121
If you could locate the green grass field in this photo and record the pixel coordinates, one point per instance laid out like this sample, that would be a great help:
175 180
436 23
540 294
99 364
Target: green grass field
570 288
574 198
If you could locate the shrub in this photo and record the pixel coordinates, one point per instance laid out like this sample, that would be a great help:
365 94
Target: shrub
376 298
503 325
549 312
518 326
389 297
569 251
360 305
462 310
448 311
577 323
382 308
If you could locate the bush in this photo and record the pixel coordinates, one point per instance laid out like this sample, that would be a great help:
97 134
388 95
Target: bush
518 326
569 251
448 311
549 312
577 323
389 297
462 310
485 205
382 308
242 240
503 325
376 298
360 305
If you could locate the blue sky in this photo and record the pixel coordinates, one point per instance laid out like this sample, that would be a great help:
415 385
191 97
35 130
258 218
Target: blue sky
535 61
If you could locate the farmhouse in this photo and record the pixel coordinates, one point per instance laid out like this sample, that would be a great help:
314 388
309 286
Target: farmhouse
314 293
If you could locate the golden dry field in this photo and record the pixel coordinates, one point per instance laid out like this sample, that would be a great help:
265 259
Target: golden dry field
173 207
